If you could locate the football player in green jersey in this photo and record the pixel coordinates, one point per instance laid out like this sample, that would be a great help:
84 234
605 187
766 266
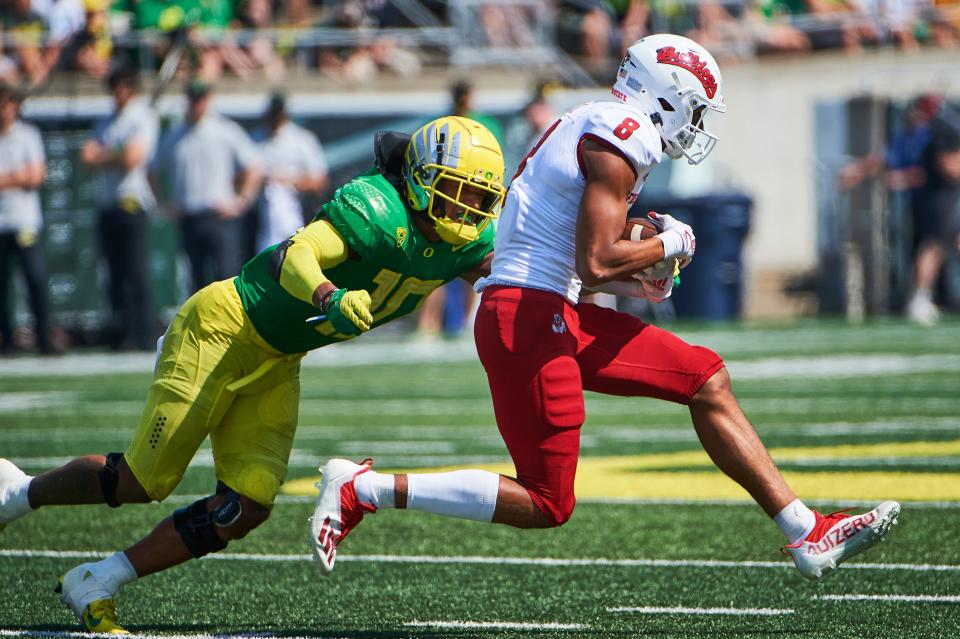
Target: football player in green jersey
228 366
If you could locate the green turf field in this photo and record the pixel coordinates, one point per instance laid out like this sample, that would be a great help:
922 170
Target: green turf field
661 544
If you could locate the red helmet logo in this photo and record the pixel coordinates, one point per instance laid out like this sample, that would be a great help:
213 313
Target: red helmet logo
692 63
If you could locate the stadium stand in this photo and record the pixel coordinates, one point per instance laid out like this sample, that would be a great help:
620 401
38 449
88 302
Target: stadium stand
356 41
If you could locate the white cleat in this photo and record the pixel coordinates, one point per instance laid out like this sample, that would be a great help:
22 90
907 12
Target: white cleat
82 586
13 493
91 598
338 510
838 537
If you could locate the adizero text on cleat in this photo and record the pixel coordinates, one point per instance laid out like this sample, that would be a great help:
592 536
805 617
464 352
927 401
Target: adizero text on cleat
838 537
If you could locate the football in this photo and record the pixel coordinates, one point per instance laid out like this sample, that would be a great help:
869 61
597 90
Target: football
647 229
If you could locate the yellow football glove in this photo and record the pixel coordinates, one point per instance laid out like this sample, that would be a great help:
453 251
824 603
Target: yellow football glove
349 311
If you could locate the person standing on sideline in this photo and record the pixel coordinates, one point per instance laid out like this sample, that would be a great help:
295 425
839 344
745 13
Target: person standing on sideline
294 166
562 229
119 148
22 171
536 117
908 163
202 160
936 233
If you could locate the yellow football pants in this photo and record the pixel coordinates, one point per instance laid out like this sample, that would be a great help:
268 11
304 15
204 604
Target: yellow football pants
216 376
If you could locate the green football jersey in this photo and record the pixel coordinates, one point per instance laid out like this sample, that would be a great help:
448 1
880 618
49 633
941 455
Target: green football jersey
390 258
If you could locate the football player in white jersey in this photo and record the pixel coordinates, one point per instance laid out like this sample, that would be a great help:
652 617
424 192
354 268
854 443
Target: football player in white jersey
562 229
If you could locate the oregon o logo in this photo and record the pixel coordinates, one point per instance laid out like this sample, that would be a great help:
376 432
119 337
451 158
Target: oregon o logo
428 252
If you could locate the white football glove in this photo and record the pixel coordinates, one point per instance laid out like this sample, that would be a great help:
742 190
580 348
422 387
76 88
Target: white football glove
669 267
657 290
654 283
658 280
678 238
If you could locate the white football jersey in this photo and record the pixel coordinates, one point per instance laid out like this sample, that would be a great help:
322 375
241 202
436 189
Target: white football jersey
536 244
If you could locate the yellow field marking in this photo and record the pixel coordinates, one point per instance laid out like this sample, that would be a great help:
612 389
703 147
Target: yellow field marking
638 477
886 449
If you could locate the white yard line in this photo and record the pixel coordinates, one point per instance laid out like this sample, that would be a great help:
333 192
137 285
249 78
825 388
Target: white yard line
187 498
638 501
412 352
495 625
616 431
843 365
298 459
596 406
499 561
58 634
898 598
203 459
739 612
18 401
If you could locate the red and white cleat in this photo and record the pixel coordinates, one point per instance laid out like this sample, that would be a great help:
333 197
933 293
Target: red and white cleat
838 537
338 510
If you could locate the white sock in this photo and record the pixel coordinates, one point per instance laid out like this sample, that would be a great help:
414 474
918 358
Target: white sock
376 488
115 571
16 498
466 494
20 495
796 521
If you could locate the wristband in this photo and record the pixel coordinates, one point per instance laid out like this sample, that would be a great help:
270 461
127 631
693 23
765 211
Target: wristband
672 243
325 299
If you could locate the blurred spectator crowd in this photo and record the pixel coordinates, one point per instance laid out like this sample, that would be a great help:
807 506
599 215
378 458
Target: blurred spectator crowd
228 193
740 29
354 40
240 37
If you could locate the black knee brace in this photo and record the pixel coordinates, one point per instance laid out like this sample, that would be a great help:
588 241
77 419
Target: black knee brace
197 525
109 477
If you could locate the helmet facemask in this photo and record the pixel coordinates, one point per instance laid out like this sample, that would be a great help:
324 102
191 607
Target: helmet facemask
454 174
471 220
689 137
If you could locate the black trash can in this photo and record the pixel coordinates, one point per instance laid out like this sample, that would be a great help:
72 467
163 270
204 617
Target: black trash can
712 286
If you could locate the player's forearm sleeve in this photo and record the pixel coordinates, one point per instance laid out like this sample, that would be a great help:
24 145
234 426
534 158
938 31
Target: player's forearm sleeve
315 247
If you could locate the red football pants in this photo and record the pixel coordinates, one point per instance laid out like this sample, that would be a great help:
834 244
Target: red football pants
540 352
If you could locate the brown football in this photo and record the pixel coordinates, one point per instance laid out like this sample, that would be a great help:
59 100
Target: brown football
648 230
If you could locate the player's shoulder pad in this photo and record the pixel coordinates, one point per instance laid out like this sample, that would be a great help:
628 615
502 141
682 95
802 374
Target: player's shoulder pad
625 129
388 149
364 210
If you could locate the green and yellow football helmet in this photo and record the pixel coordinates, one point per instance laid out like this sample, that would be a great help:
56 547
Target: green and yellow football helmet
465 153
